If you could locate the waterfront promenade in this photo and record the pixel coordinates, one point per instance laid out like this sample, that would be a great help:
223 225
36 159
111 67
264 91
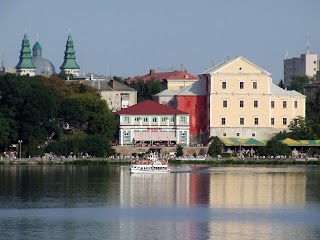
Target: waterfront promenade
183 160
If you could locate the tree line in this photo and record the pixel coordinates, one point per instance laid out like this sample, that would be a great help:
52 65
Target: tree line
54 115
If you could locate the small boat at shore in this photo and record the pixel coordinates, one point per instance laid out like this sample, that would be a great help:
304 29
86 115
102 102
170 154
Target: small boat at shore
150 164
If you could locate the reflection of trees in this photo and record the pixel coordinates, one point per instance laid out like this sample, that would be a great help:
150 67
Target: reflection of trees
57 186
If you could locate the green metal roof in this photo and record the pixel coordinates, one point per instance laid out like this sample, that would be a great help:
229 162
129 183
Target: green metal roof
69 56
25 55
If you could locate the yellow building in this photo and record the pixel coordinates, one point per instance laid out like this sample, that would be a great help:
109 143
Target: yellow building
243 102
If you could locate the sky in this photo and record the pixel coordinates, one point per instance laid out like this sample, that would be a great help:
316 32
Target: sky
127 38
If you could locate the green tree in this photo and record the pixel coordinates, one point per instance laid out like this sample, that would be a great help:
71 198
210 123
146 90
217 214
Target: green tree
281 84
298 82
301 129
215 147
4 133
99 117
274 147
118 79
147 90
72 112
179 151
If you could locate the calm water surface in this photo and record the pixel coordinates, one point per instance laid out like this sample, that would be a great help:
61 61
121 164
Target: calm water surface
105 202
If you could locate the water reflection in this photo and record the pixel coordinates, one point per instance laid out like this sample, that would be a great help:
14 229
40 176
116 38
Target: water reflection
192 203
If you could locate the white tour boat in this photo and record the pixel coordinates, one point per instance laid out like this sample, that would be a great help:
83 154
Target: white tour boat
150 164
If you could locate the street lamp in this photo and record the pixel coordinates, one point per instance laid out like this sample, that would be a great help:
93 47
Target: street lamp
20 141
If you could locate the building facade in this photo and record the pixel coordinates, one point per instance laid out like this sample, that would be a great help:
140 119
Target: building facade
152 124
191 100
243 102
306 65
117 95
174 80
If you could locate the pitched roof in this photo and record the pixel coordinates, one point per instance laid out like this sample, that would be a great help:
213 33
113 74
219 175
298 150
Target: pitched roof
164 76
229 61
276 90
149 107
196 89
107 85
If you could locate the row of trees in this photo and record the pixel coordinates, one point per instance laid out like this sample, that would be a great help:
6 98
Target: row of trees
40 111
147 90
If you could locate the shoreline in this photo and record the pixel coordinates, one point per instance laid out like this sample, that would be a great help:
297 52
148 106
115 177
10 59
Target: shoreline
126 161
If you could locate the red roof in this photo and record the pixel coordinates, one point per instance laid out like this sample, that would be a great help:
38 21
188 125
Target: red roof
165 76
149 107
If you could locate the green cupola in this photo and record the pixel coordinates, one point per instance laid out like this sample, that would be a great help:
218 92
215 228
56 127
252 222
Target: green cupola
70 65
25 65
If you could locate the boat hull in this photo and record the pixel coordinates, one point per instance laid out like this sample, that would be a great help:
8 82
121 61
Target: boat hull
149 169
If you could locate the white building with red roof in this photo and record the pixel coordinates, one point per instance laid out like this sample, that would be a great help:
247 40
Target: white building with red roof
174 80
154 124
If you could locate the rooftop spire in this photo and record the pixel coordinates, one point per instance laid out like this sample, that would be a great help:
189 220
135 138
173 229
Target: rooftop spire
25 55
69 64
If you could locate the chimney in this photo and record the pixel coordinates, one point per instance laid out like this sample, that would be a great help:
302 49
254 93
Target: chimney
152 71
111 83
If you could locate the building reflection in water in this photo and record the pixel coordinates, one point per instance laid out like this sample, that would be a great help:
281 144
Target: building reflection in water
236 189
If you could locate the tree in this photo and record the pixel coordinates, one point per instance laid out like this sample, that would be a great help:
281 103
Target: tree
274 147
72 112
301 129
179 151
118 79
4 133
281 84
215 147
298 82
99 118
147 90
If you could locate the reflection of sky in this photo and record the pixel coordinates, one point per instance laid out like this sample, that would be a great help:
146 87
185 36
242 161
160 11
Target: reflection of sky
160 223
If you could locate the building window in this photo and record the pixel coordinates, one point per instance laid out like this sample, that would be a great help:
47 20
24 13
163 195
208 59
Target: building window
284 104
225 103
172 119
145 119
284 121
295 104
183 120
241 121
272 121
241 85
255 103
241 103
224 134
253 134
254 85
154 119
256 121
238 134
163 119
188 104
223 121
272 104
126 119
137 119
224 85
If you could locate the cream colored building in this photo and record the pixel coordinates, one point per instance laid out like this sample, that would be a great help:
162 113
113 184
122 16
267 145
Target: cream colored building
243 102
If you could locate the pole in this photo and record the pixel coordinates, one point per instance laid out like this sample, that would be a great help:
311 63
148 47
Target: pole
20 141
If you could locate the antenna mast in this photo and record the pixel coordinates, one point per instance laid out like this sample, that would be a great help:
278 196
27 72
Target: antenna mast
2 61
308 44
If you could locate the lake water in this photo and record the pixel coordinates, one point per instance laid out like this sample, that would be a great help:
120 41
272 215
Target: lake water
192 202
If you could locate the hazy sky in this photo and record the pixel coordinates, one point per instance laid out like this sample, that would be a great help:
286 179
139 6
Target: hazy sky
130 37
